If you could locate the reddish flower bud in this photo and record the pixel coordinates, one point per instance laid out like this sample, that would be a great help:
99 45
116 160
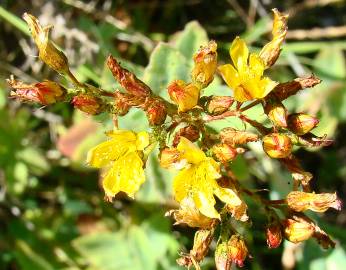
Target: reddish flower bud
300 201
127 79
217 105
184 95
205 65
276 112
224 152
189 132
274 235
277 145
87 103
234 137
46 92
156 112
237 250
301 123
298 229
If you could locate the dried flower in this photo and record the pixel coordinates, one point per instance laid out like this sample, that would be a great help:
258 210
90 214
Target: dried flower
171 158
300 201
271 50
301 123
234 137
156 112
246 76
127 79
190 132
298 228
222 260
46 92
274 235
48 53
184 95
216 105
201 244
277 145
87 103
224 152
205 65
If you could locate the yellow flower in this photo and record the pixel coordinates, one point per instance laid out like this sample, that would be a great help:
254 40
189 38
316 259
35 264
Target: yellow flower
245 76
122 155
198 181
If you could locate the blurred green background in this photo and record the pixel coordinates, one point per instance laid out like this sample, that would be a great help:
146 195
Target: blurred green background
52 211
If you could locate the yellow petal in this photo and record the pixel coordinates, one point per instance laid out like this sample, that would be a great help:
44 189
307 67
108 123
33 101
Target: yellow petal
122 135
243 93
239 53
142 140
230 75
190 152
182 184
267 85
126 175
205 203
227 196
256 65
108 151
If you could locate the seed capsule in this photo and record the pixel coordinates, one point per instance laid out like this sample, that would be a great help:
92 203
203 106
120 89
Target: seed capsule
217 105
277 145
87 103
301 123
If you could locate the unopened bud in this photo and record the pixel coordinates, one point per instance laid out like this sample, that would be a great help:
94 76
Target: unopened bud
222 260
127 79
301 123
87 103
170 158
271 51
184 95
122 104
300 201
274 235
224 152
277 145
237 250
205 65
48 53
156 112
46 92
216 105
298 229
189 132
277 113
234 137
201 244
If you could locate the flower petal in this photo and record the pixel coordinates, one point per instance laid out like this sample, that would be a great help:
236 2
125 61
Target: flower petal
190 152
230 75
256 65
126 175
239 54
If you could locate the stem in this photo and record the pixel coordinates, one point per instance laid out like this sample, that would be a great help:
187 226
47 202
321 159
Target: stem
249 106
73 78
210 118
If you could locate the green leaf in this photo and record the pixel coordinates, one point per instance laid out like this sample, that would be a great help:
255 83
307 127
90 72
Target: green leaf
165 65
330 62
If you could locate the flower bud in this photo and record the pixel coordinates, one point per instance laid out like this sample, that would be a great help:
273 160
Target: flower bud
237 250
271 51
274 235
170 158
217 105
46 92
300 201
156 112
223 152
301 123
222 260
277 145
201 244
87 103
184 95
48 53
298 229
233 137
127 79
277 113
205 65
189 132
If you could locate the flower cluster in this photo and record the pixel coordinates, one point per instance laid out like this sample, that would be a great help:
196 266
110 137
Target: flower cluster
202 160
